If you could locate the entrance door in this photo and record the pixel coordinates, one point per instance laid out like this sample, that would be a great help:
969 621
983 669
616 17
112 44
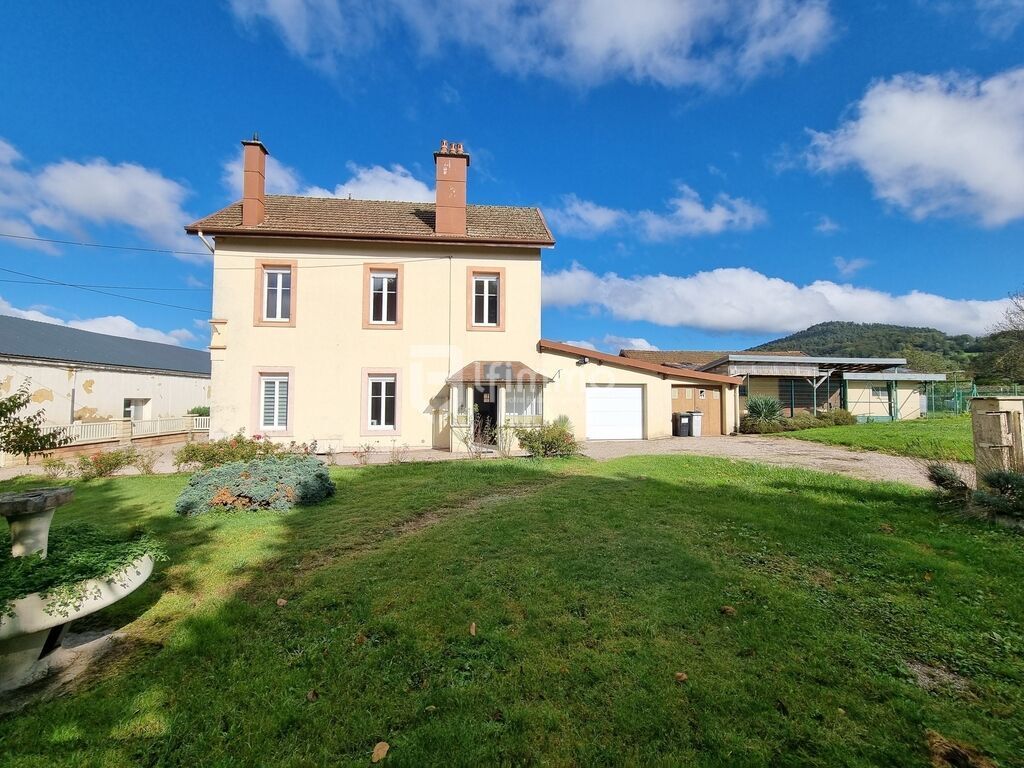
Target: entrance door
615 413
709 403
485 419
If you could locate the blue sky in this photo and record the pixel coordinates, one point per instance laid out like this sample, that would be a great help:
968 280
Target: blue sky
716 174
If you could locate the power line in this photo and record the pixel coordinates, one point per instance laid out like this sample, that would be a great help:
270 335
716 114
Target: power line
112 287
105 293
105 246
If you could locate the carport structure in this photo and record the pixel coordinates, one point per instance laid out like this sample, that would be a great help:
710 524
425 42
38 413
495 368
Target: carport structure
872 388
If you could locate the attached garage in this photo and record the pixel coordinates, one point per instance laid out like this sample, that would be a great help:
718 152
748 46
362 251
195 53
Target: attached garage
608 397
614 412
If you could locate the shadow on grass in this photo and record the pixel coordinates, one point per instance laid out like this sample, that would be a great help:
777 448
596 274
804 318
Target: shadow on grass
591 587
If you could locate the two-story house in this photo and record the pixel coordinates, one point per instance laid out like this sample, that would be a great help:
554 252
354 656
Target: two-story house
356 321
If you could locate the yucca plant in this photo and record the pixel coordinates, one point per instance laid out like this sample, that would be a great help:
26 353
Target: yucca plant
764 409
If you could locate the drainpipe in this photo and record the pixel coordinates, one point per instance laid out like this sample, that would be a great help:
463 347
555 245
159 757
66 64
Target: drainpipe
74 386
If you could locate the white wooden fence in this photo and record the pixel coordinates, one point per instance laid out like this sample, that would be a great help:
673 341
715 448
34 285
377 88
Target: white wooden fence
116 429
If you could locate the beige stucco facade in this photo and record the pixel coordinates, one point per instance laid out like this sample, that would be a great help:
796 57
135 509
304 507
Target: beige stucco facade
329 351
88 393
871 399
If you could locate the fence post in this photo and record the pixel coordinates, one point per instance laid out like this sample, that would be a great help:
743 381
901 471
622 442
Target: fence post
124 436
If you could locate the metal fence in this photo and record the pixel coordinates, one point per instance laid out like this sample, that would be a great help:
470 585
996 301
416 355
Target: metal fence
955 398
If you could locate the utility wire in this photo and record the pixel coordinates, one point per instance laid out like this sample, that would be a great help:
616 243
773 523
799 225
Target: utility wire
105 293
101 245
112 287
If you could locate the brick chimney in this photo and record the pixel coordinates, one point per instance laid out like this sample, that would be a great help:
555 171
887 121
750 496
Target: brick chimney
254 182
450 163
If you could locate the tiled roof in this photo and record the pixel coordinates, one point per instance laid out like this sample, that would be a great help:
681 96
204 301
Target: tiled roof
47 341
497 372
690 357
637 365
290 215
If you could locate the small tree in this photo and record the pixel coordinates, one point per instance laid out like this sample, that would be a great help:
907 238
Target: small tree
22 435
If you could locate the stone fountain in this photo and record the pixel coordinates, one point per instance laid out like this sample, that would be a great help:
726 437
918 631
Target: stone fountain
34 626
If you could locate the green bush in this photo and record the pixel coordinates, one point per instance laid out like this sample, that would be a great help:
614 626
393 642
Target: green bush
106 463
1004 494
199 410
238 447
750 426
763 409
269 482
76 553
758 426
838 417
552 439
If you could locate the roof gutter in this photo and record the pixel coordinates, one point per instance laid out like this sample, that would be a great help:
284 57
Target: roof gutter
372 237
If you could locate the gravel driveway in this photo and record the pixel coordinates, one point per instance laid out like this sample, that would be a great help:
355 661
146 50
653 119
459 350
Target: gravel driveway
866 465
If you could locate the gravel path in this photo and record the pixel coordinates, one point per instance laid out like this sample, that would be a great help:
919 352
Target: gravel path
866 465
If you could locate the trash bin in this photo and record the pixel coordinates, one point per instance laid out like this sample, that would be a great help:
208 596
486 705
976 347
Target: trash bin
681 424
695 419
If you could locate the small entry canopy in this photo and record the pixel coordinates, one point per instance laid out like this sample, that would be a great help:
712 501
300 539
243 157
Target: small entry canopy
497 372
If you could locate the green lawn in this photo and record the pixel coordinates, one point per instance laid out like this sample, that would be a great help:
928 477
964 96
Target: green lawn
943 438
591 585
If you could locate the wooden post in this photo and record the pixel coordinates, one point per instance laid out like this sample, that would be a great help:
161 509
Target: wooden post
996 425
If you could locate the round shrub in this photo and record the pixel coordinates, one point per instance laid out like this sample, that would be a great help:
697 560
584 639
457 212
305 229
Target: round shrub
270 482
555 438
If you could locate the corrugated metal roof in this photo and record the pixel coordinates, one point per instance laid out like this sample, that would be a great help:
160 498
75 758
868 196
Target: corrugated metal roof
47 341
693 358
332 217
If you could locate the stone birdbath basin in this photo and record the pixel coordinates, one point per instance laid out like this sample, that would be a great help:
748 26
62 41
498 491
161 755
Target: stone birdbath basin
33 626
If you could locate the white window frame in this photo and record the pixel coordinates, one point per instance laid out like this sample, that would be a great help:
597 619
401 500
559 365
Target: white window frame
387 274
486 280
135 408
880 393
524 400
383 380
276 379
280 304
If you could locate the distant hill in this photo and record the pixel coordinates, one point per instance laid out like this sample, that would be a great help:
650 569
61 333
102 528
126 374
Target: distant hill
926 349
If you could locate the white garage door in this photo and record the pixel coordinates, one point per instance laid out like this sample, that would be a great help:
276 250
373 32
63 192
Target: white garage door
615 413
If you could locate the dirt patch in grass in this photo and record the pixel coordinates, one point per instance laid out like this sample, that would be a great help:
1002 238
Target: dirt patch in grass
938 679
946 753
427 518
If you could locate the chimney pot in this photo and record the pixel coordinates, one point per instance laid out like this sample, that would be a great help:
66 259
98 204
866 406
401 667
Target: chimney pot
451 164
254 182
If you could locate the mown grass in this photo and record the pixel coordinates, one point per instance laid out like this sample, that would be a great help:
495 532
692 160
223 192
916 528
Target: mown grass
940 438
590 584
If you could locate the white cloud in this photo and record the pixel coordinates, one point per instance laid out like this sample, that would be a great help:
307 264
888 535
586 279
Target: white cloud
584 344
1000 18
745 300
373 182
583 218
66 196
615 343
849 267
704 43
826 225
687 217
112 325
937 145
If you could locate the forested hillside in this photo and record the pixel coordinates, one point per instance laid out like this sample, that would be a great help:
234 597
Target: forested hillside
927 349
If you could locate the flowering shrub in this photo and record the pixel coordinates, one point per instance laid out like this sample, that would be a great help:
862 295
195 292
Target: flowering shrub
269 482
552 439
106 463
238 447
